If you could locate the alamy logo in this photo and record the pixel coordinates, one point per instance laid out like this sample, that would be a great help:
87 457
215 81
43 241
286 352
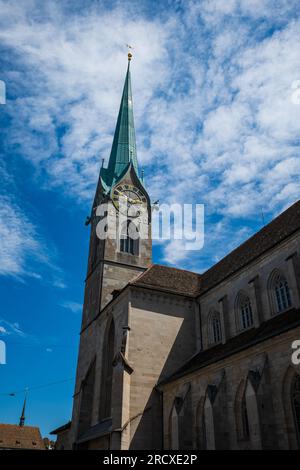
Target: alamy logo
178 222
2 352
2 92
296 353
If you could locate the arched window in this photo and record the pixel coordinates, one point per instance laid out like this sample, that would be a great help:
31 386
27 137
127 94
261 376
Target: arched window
107 371
244 313
280 292
296 404
291 404
174 431
200 425
245 419
215 330
248 415
216 327
210 439
215 424
180 429
129 239
241 413
86 400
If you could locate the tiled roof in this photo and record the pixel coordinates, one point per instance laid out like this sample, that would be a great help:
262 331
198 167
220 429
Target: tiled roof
13 436
270 328
192 284
168 279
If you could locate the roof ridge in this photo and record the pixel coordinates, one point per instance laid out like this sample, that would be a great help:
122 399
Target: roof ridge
18 426
140 275
254 235
277 230
175 268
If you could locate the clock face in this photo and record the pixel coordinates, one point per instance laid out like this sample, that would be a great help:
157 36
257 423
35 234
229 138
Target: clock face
128 199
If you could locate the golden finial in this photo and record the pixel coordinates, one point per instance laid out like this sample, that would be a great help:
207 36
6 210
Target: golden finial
129 53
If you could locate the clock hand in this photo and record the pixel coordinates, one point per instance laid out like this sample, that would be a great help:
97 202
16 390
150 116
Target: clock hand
134 201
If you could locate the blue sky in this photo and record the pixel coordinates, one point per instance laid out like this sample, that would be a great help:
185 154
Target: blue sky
216 123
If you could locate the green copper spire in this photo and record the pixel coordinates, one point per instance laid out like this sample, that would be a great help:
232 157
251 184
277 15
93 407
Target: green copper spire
123 150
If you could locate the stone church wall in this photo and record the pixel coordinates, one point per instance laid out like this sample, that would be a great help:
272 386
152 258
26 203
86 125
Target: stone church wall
162 337
261 368
253 281
275 426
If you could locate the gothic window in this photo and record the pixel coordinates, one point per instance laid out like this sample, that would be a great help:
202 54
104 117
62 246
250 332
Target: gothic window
210 439
296 404
129 240
280 292
107 371
87 397
180 429
245 420
174 431
244 312
243 415
215 331
291 404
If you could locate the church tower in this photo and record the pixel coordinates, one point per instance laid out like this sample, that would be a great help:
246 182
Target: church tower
120 240
133 327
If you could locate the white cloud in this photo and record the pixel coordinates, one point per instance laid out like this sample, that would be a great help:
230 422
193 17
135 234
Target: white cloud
23 252
212 98
60 284
76 75
12 328
175 253
220 238
75 307
18 240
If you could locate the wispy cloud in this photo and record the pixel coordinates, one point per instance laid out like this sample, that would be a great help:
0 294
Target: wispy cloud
23 252
212 95
59 283
16 335
12 328
75 307
18 240
65 115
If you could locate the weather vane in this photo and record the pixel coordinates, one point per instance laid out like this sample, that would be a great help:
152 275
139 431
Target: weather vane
129 53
